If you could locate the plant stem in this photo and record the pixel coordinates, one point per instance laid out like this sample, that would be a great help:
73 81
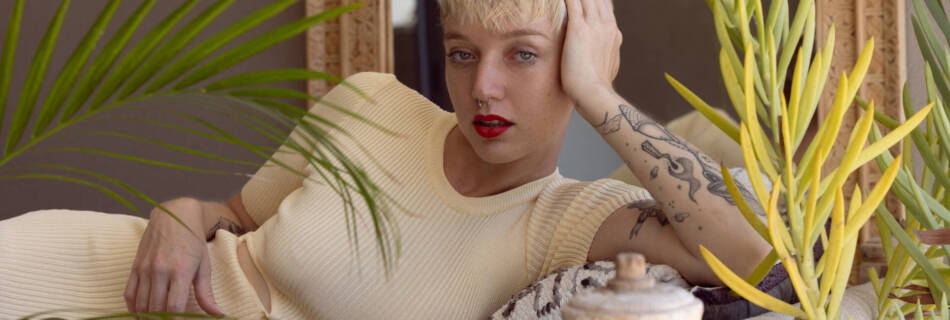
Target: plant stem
63 125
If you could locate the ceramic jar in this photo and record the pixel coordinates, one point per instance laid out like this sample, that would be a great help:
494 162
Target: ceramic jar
632 295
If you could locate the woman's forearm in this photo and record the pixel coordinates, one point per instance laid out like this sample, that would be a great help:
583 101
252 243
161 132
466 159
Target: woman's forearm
687 185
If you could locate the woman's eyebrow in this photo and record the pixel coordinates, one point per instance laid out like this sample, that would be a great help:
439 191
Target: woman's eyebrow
454 36
523 33
508 35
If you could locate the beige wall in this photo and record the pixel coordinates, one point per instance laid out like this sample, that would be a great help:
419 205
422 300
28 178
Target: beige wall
25 195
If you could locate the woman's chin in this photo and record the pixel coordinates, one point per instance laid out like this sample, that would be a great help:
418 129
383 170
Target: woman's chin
499 152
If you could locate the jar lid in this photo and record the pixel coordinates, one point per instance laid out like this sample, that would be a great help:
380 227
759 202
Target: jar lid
631 294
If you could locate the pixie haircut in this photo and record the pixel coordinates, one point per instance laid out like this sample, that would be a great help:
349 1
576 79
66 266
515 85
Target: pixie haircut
497 15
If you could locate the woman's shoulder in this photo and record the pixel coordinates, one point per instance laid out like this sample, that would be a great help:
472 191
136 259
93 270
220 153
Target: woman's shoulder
373 93
566 188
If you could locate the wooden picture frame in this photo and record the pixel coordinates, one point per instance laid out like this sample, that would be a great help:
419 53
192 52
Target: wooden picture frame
358 41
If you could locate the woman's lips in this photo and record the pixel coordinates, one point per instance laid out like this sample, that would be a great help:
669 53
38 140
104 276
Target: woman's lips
491 125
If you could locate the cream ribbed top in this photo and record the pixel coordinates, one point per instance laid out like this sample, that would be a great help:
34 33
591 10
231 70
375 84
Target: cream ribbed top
462 257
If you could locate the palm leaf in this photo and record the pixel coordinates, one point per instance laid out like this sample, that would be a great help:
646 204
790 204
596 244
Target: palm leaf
171 48
192 131
206 48
34 80
256 45
271 77
117 197
6 61
67 77
138 53
142 160
100 188
103 62
170 146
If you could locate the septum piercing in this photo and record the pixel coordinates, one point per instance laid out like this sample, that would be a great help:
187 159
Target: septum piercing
481 103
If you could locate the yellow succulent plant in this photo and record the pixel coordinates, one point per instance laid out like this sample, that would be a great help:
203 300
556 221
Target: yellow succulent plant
772 129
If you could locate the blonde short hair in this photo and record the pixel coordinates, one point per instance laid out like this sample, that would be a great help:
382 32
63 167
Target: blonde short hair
496 15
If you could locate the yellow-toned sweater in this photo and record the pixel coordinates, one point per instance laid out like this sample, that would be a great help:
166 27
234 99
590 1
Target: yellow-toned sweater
461 257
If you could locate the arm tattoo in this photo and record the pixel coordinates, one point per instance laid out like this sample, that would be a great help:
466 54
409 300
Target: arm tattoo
226 224
680 217
609 125
646 214
682 167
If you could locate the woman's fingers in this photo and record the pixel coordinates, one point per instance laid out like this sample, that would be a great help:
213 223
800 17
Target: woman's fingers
158 292
575 11
203 292
606 9
130 290
177 295
593 10
141 295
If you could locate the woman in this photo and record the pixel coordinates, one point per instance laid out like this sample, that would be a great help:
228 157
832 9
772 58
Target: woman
486 211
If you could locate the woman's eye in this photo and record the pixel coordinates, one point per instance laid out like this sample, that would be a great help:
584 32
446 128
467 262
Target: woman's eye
461 56
526 56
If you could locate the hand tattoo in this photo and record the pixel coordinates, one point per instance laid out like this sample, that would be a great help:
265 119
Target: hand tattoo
226 224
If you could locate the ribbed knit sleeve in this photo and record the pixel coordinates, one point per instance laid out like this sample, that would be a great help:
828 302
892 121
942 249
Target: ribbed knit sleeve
273 182
566 218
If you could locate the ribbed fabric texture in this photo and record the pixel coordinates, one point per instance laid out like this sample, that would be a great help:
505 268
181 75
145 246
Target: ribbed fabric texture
462 257
77 263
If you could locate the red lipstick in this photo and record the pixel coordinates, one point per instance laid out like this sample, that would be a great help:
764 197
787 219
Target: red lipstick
491 125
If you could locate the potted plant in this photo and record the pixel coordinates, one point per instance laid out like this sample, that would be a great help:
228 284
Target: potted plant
758 47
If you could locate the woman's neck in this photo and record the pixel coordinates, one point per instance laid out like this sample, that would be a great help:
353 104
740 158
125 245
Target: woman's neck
473 177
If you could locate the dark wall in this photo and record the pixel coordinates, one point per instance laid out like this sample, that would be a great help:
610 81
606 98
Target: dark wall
19 196
675 37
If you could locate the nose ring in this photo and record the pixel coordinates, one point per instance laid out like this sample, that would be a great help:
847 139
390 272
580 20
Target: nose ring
481 103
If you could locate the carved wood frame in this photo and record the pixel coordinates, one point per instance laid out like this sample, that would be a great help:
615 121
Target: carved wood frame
855 22
361 40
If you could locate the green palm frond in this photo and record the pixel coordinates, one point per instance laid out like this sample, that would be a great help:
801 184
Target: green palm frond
126 78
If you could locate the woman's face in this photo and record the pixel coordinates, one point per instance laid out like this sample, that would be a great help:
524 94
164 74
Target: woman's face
517 71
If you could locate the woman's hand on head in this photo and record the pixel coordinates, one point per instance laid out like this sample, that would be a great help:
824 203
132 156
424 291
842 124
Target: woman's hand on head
591 55
169 260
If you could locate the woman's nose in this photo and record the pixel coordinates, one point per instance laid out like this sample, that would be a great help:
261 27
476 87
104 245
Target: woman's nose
489 83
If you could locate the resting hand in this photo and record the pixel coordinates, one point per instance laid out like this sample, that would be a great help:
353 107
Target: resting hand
169 260
591 55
